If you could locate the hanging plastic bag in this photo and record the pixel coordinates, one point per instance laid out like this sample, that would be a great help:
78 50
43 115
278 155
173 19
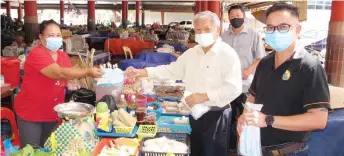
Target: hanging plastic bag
250 144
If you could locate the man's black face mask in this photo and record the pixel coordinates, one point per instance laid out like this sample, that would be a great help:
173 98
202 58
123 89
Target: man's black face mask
236 22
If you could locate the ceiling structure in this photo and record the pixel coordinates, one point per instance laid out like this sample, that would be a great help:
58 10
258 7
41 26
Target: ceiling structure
256 7
153 5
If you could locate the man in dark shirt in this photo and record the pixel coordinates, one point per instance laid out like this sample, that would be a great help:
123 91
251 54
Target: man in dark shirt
290 84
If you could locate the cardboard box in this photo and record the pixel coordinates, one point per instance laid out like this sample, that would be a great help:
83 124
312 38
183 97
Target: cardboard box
336 97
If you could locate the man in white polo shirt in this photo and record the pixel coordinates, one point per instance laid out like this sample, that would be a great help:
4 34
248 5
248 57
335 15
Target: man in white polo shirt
211 71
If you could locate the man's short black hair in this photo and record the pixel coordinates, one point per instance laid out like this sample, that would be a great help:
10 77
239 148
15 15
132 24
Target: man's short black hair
236 7
282 6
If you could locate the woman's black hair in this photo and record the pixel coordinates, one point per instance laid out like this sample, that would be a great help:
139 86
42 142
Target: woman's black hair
45 23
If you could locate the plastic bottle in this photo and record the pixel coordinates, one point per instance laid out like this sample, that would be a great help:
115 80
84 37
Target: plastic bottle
9 149
132 106
102 116
122 102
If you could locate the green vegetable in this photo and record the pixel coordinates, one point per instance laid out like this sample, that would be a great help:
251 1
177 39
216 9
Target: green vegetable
102 107
84 153
29 151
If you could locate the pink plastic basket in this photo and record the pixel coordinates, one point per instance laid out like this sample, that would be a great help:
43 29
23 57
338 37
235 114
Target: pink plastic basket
141 100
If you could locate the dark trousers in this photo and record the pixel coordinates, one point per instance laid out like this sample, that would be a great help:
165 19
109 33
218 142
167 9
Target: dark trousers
210 133
34 133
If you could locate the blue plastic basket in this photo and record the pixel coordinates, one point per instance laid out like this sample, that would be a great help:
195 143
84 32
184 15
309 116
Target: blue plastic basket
113 134
166 124
172 99
158 111
181 137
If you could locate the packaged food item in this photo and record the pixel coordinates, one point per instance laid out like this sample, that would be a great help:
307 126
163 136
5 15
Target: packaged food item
132 105
122 102
121 118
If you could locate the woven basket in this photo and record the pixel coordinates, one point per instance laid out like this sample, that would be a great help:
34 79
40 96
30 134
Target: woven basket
147 131
124 130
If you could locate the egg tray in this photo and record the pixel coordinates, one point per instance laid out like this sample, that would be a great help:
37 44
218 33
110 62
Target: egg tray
180 137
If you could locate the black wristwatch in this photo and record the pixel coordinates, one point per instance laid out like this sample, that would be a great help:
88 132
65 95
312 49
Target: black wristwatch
269 120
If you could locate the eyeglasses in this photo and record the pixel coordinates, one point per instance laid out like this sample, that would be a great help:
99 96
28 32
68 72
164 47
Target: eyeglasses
283 28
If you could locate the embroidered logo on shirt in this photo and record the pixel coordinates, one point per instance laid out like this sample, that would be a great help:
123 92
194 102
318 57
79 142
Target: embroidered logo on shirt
286 75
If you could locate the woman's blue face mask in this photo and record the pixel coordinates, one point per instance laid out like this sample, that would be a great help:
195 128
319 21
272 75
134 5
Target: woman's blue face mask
53 43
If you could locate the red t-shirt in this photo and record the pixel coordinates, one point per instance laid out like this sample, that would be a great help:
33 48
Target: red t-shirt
39 94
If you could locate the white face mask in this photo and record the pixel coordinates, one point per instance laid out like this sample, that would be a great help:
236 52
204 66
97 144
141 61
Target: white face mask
205 40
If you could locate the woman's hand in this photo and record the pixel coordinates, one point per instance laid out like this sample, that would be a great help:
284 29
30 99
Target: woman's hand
95 72
73 85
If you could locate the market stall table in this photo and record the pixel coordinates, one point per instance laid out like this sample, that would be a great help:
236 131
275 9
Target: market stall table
177 46
155 57
329 141
115 45
96 42
150 59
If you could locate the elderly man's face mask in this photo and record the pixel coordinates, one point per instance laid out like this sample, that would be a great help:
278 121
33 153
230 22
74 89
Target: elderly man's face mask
206 32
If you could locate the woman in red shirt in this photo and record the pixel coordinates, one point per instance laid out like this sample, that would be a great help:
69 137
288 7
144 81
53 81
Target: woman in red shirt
47 71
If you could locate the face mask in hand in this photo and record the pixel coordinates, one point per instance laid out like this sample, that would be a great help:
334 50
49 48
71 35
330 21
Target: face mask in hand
279 41
237 22
54 43
205 40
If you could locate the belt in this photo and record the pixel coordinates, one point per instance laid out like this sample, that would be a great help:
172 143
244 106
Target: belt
284 150
215 108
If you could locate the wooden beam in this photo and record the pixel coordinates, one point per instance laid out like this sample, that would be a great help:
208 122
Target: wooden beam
168 10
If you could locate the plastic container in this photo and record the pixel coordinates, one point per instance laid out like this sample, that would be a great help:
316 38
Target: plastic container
122 103
115 134
180 137
166 124
147 131
124 130
103 143
117 95
150 98
9 149
141 100
10 69
157 110
102 90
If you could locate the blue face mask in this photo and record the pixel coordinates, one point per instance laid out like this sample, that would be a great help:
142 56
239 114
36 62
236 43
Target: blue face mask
54 43
279 41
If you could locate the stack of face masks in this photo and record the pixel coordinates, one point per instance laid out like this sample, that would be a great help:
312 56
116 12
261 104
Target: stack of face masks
250 144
